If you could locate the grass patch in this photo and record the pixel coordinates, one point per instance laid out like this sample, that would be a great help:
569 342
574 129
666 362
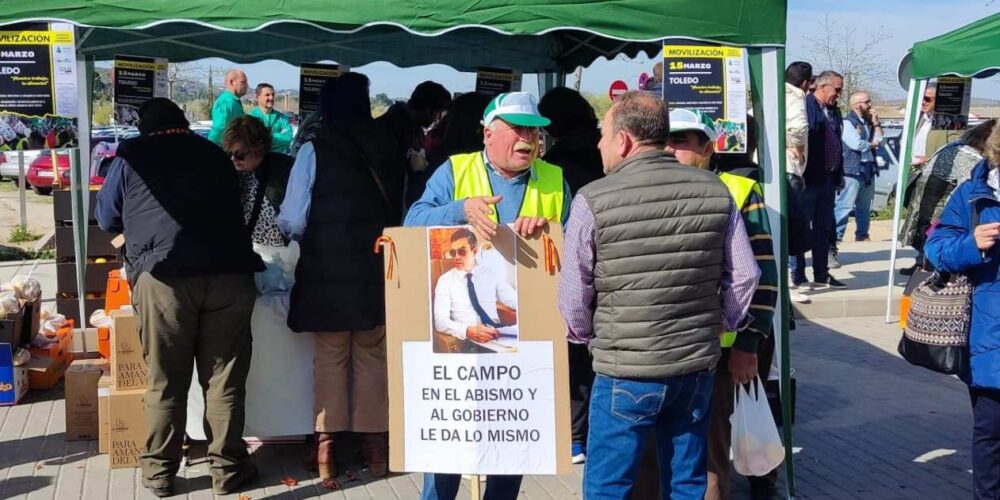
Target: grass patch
21 234
887 211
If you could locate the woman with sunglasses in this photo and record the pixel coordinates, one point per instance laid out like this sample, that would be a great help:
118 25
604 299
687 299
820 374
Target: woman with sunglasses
263 176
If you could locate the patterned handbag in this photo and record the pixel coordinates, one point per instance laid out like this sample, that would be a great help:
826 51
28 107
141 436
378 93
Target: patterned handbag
936 335
937 327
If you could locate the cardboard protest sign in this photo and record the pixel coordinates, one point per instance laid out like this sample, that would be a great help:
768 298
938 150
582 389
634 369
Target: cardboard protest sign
496 81
477 355
38 93
711 79
312 77
135 81
951 104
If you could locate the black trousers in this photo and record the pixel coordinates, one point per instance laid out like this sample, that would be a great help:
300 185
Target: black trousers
985 443
581 380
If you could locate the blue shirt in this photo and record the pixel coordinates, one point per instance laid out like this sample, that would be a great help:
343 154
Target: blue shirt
111 197
438 206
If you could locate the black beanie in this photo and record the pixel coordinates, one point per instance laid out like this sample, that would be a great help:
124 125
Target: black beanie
160 113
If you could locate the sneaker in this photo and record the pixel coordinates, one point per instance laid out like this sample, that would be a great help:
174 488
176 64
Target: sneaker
799 298
832 262
830 282
579 453
801 284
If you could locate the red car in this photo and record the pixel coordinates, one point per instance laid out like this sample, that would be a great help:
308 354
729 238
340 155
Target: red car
40 174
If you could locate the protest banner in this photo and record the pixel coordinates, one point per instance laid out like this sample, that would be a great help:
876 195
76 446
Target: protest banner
951 104
496 81
711 79
38 93
135 81
459 402
312 77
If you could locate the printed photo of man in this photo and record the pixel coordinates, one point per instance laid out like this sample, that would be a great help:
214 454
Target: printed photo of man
470 298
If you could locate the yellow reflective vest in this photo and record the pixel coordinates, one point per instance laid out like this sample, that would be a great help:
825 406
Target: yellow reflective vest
740 189
543 196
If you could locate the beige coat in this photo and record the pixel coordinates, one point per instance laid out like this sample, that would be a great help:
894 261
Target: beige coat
796 130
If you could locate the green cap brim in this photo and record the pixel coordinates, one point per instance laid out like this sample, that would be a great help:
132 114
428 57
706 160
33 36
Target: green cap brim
525 120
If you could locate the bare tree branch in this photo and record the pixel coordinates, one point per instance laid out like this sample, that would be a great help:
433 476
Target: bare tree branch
857 57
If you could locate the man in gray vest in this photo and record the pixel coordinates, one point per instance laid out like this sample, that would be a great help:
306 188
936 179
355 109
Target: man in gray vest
657 266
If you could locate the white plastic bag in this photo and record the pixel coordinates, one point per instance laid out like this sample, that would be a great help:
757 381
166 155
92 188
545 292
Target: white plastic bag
756 445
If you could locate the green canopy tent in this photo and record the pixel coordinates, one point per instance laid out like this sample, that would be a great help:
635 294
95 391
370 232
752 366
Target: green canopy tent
540 36
970 51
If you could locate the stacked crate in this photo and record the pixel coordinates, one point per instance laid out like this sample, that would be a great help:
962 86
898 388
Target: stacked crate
99 248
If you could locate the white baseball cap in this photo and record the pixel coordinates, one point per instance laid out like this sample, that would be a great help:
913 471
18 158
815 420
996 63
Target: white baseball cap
516 108
682 119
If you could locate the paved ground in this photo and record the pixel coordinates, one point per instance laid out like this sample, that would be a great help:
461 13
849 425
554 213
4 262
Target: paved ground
869 426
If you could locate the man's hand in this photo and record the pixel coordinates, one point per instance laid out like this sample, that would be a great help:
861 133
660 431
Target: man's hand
874 114
796 154
986 235
477 213
526 226
482 333
918 162
742 366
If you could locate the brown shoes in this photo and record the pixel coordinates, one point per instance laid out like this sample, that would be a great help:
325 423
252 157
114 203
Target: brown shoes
375 452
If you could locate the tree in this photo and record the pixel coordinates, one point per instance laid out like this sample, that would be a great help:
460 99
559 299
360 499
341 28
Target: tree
858 58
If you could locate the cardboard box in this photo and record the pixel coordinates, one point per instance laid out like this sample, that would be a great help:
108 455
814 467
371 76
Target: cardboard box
127 428
48 366
103 412
82 416
128 366
13 379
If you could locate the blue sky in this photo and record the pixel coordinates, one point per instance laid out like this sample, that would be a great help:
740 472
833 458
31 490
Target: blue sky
906 21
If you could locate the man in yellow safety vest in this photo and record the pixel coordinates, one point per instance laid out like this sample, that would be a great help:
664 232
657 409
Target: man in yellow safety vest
506 183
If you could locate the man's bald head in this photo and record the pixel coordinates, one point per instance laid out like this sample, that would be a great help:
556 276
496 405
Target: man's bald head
861 103
859 97
236 82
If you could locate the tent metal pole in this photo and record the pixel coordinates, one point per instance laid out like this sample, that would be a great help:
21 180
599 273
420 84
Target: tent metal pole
906 156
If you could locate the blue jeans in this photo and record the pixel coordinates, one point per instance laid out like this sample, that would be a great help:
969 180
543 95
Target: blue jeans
816 203
624 411
858 197
445 487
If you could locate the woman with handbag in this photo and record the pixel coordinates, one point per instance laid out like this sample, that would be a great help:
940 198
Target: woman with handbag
965 242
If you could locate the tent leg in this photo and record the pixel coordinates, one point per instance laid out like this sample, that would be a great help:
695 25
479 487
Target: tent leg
905 157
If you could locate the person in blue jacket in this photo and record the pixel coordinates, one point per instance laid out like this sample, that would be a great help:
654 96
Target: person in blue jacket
956 246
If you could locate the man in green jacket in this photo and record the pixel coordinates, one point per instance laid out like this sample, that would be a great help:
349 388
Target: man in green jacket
274 120
227 106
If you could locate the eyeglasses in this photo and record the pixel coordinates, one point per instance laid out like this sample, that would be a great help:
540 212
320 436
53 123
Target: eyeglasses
461 252
869 101
928 98
239 155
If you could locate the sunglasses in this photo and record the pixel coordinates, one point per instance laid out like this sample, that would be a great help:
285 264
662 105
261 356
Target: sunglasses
461 252
928 98
239 155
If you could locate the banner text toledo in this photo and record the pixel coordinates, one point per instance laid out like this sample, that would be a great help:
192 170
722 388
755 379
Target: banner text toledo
135 81
710 79
38 94
312 77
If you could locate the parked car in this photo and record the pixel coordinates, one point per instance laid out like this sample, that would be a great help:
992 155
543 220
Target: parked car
40 175
888 168
9 163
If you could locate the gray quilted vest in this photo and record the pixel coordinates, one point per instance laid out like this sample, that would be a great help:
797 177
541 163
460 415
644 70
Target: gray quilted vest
659 230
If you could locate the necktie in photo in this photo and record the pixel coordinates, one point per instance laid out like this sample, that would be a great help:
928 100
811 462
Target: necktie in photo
475 303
